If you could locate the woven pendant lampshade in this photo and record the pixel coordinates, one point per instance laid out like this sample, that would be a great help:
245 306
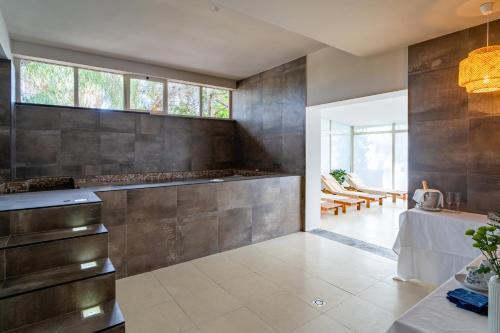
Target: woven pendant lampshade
480 71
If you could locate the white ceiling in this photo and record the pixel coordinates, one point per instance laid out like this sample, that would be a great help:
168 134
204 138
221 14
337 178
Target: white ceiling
369 111
183 34
366 27
242 38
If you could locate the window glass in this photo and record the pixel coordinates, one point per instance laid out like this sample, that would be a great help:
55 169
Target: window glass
44 83
146 95
215 103
401 127
183 99
341 146
401 161
100 89
373 159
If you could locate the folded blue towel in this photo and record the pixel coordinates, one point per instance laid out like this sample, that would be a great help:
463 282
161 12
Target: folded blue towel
469 300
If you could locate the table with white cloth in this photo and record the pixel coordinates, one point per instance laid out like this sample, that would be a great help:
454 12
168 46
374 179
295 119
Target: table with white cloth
432 246
435 314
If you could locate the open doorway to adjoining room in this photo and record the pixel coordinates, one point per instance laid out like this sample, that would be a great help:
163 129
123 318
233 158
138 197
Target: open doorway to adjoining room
363 168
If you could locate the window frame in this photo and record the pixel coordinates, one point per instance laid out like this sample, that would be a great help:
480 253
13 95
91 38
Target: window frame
126 87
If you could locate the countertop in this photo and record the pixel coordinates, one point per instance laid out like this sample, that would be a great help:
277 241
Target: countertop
30 200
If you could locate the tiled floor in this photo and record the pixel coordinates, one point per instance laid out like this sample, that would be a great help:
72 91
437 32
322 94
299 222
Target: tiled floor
377 224
269 287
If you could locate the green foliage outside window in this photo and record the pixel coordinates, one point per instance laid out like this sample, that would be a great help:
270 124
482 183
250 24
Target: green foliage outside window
146 95
100 89
215 103
183 99
43 83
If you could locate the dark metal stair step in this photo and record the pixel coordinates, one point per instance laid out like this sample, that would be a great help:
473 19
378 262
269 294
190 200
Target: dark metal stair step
109 320
23 284
50 236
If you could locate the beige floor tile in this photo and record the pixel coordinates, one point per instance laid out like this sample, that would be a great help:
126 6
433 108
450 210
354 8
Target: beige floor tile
247 288
396 297
284 274
377 225
362 316
207 304
138 292
375 269
166 318
322 324
183 278
283 311
316 288
240 321
220 267
254 259
350 280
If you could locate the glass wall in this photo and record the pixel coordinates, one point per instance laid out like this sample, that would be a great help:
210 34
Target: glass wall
377 154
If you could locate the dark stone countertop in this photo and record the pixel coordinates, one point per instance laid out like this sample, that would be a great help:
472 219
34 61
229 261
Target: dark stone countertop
30 200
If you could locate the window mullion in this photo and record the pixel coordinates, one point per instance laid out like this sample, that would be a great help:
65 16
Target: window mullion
126 92
165 97
200 112
76 92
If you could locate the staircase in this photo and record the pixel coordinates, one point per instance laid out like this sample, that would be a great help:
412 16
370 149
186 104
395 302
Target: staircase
55 274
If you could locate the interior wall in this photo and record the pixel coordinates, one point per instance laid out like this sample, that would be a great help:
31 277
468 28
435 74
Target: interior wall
5 119
5 51
79 142
334 75
269 109
453 136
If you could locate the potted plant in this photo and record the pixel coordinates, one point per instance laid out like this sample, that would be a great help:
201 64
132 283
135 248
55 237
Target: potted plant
339 175
487 239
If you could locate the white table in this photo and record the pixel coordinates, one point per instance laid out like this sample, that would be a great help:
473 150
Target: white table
432 246
435 314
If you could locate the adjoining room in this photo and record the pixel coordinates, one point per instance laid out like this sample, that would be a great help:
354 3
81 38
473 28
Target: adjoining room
364 167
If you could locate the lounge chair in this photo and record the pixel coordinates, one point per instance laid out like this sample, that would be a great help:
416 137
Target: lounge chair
357 183
327 206
344 201
333 186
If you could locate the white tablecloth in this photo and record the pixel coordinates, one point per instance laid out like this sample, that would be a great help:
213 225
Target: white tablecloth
435 314
432 246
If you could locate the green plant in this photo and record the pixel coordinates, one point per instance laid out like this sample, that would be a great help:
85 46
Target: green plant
339 175
487 239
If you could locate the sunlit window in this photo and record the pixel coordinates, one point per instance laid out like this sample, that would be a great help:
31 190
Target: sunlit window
146 95
100 89
43 83
215 102
183 99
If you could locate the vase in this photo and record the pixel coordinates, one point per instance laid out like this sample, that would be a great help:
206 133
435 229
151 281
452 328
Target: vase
494 304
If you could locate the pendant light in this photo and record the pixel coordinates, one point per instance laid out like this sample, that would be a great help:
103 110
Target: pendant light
480 71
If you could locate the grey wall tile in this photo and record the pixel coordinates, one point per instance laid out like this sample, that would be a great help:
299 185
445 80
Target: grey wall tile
197 238
265 221
117 148
235 228
44 118
37 147
80 147
196 199
236 194
121 122
113 208
151 204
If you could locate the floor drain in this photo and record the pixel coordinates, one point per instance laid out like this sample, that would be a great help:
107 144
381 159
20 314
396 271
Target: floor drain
318 302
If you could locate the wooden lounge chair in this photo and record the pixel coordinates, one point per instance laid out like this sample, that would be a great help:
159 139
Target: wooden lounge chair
333 187
343 201
327 206
357 183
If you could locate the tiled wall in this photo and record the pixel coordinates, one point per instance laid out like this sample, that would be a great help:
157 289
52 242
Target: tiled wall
57 141
270 112
454 137
157 227
5 119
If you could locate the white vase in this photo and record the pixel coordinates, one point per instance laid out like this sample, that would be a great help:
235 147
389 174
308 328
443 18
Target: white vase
494 305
